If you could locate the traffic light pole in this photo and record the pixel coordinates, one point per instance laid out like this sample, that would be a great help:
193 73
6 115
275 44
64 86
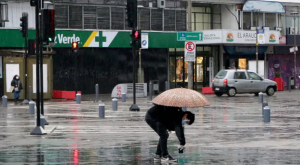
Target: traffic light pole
38 130
134 107
25 101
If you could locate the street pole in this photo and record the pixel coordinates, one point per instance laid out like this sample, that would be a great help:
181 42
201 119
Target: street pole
41 66
295 44
38 130
25 101
190 64
134 107
257 42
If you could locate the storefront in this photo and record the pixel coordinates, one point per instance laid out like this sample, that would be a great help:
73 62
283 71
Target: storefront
105 57
281 64
239 57
206 56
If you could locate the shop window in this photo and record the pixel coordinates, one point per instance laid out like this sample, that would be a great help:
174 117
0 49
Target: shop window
172 69
180 73
199 69
242 63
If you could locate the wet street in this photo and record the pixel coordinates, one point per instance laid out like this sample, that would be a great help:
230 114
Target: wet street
229 131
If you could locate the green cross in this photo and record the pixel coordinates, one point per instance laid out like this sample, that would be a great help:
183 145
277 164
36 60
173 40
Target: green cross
100 39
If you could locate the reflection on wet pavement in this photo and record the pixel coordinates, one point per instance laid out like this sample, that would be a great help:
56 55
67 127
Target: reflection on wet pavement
229 131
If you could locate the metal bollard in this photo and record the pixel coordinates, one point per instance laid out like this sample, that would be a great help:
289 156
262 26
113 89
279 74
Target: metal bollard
289 83
102 110
150 90
115 104
31 107
42 121
78 98
123 97
166 85
264 104
97 93
4 101
260 97
184 108
267 114
30 93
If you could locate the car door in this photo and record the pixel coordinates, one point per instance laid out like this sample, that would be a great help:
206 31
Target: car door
256 83
241 82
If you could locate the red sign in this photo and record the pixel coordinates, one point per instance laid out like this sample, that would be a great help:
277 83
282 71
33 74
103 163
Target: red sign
119 93
190 46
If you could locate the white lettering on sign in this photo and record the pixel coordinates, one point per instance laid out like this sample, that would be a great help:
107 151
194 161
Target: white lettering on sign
66 40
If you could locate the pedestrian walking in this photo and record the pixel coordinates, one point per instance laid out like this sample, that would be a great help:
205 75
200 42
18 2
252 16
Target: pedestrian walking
17 87
164 118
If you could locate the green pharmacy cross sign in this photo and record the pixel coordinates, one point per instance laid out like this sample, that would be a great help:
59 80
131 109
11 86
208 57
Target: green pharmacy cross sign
189 36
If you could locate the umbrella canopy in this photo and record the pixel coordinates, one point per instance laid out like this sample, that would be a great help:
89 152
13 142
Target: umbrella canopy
181 97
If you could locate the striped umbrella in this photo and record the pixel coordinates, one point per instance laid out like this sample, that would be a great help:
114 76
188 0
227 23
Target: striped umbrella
181 97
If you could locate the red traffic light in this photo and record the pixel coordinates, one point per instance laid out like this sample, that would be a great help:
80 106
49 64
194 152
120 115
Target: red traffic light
136 34
74 45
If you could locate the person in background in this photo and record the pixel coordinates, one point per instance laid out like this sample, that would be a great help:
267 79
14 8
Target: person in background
163 118
16 83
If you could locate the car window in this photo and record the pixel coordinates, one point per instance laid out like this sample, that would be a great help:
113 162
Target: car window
253 76
222 74
240 75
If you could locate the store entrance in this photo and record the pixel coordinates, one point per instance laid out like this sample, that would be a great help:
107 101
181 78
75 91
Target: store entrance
178 72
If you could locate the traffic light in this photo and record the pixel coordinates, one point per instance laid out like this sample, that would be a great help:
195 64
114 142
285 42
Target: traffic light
24 24
75 47
33 2
48 26
31 47
136 38
131 10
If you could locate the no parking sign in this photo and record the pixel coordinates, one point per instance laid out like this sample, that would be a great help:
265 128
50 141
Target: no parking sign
190 51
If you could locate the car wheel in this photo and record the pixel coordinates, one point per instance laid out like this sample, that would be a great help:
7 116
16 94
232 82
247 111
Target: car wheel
256 94
231 92
218 94
270 91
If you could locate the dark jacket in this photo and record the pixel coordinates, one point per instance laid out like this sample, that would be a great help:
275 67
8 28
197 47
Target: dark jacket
171 118
15 83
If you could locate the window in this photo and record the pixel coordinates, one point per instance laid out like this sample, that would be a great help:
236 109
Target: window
258 17
240 75
221 74
201 18
246 20
270 20
253 76
290 23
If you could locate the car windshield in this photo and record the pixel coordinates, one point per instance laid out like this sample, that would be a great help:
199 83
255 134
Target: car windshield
221 74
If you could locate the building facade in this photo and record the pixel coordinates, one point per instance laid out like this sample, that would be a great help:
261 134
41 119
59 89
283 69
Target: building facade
107 59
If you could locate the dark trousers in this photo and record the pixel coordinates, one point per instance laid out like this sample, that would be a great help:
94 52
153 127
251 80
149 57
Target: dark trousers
162 132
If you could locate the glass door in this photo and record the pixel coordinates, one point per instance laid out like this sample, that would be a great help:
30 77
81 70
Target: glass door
199 72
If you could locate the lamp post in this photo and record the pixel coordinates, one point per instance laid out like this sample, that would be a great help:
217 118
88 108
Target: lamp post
256 10
295 14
